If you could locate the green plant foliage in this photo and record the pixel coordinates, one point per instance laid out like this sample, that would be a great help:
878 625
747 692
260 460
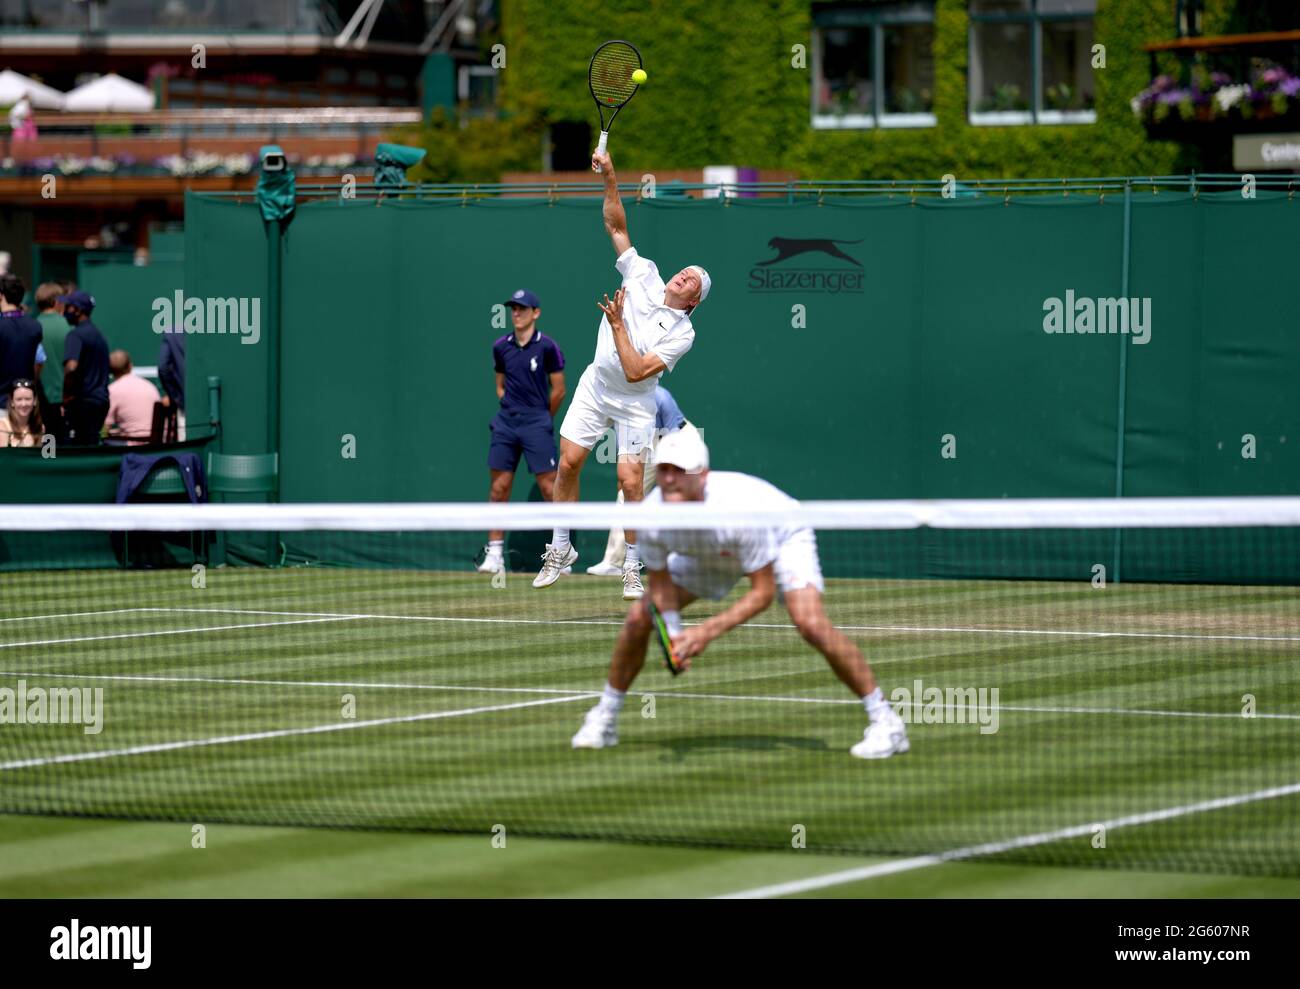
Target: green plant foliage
467 148
722 89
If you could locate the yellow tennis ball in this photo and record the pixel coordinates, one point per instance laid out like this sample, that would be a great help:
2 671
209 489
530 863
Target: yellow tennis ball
639 76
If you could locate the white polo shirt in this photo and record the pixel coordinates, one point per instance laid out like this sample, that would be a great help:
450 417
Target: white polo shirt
652 327
724 553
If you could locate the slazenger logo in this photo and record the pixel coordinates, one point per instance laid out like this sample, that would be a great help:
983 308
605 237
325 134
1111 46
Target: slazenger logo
832 279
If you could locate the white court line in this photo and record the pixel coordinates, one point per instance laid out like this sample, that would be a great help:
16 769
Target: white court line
172 631
71 614
845 628
278 733
665 692
996 847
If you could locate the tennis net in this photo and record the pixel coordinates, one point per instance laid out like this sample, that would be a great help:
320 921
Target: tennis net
1110 683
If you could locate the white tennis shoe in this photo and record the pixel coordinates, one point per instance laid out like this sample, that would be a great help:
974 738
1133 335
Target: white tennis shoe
554 563
632 589
605 569
883 738
492 562
599 730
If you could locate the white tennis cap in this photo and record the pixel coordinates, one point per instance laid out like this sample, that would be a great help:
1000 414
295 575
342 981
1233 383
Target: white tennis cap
683 449
705 281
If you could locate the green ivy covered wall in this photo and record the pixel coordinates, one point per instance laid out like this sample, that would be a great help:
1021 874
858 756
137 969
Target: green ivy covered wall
722 90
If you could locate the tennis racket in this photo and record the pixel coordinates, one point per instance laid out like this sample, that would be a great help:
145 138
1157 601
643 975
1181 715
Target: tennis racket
661 636
610 77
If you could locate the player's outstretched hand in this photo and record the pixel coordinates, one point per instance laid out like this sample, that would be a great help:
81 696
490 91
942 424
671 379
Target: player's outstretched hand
613 310
600 162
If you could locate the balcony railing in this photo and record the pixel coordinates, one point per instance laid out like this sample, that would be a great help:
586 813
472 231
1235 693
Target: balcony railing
150 142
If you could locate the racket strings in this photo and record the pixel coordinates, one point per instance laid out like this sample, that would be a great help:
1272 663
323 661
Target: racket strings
611 74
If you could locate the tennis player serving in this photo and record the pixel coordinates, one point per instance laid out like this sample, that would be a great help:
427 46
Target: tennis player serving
684 565
645 330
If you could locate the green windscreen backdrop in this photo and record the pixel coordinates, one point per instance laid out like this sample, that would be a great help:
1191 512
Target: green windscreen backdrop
852 348
124 299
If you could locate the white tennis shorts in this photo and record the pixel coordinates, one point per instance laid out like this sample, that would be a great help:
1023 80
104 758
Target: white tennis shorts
797 567
592 411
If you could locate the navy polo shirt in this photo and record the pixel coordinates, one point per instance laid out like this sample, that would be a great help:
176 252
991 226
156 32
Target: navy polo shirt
20 335
87 346
528 371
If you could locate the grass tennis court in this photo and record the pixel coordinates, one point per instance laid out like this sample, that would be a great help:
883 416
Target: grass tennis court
228 705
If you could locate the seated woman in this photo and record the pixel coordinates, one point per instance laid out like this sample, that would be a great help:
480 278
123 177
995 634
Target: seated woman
21 426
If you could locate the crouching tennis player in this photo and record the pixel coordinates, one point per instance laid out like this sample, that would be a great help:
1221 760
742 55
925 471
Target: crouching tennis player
684 565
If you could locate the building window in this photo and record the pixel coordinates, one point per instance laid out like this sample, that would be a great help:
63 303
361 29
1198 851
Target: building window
1031 62
476 89
873 66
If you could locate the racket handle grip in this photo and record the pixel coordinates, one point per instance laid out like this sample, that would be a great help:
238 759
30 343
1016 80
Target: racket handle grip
600 147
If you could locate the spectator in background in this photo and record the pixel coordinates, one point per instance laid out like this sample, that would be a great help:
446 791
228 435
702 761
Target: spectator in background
54 329
20 336
130 401
20 119
171 375
85 372
21 423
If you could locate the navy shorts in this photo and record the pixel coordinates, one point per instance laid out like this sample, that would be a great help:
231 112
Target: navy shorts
532 434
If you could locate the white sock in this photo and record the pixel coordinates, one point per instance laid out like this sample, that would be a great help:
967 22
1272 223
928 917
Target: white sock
632 558
560 539
876 705
673 619
496 547
611 701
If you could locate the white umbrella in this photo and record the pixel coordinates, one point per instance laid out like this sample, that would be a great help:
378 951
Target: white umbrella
14 84
110 92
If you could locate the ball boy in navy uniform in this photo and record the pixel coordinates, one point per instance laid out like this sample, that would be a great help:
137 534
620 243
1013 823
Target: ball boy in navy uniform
530 386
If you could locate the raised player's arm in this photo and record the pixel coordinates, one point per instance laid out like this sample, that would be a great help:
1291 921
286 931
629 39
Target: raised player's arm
557 391
762 589
615 215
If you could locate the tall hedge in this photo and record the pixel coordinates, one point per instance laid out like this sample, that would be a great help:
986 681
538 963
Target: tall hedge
722 91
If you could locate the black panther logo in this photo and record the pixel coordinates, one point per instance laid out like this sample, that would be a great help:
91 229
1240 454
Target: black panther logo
789 247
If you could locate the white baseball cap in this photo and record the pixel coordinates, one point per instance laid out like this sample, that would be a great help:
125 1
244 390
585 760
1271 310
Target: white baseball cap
705 281
683 449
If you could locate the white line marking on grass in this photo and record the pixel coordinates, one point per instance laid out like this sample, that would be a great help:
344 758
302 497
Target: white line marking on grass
171 631
996 847
666 691
72 614
843 628
278 733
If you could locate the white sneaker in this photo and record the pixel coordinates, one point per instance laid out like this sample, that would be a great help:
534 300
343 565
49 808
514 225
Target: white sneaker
605 569
632 589
882 739
599 730
492 563
553 563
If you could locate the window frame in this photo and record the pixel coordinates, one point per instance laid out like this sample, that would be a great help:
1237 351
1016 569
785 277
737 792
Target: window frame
875 20
465 72
1036 114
